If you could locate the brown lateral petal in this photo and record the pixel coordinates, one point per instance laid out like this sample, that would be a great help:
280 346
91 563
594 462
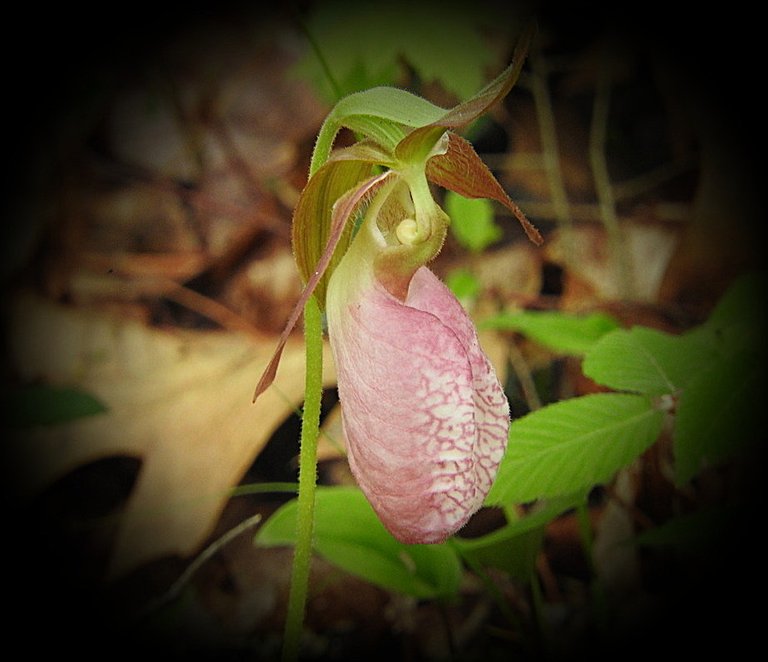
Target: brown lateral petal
461 170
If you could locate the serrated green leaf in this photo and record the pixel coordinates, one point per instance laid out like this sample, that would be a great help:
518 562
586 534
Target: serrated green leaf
561 332
646 361
571 445
47 405
350 535
718 413
472 221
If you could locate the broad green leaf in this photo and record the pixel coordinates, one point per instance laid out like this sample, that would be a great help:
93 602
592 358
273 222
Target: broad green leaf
472 221
48 405
571 445
691 533
645 360
516 555
718 413
350 535
463 283
743 302
364 44
515 546
740 318
561 332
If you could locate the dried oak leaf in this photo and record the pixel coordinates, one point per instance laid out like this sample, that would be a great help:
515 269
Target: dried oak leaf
181 401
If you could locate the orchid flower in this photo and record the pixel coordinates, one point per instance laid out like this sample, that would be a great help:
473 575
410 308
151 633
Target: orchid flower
424 416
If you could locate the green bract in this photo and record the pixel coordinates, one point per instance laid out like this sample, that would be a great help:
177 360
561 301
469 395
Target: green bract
406 135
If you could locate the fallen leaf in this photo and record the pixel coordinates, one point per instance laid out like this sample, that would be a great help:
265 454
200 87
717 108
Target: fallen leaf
181 401
591 272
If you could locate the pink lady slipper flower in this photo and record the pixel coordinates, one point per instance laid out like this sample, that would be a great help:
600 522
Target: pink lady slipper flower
425 418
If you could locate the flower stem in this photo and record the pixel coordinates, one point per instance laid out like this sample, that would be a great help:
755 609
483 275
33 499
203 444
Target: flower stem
310 429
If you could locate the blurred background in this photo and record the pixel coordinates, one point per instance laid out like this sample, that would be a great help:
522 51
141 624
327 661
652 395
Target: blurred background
153 157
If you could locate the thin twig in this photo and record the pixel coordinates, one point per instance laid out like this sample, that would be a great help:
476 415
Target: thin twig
336 88
605 197
523 374
550 147
210 308
209 552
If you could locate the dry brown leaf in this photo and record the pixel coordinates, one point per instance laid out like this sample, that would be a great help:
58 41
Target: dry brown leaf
181 401
591 272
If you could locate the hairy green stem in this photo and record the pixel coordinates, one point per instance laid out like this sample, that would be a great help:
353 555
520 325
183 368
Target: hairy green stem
310 429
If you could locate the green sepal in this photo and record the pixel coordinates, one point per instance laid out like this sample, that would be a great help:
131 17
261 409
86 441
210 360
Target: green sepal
383 114
312 226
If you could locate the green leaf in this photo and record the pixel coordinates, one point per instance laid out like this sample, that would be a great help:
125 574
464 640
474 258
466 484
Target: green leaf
645 360
472 221
743 302
350 535
463 283
692 532
515 555
561 332
47 405
739 321
365 43
718 413
572 445
515 546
